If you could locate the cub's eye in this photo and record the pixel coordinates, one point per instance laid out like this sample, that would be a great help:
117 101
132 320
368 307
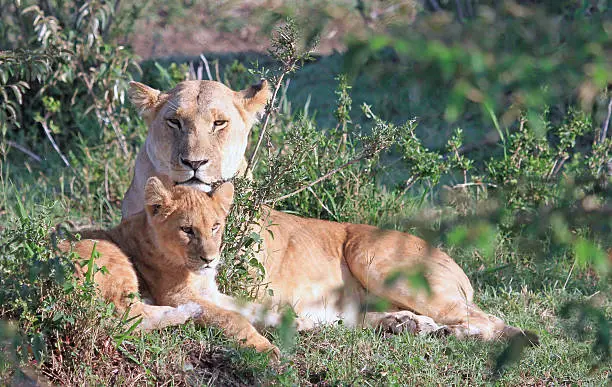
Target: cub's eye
219 124
216 228
174 123
188 231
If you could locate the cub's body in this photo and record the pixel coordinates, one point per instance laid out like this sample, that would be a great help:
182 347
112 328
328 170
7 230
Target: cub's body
171 250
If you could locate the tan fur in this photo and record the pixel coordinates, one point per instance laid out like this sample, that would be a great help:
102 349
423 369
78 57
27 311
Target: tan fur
328 270
174 247
196 105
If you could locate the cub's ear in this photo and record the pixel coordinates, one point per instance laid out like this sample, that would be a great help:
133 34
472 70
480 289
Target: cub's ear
224 195
158 200
145 98
256 96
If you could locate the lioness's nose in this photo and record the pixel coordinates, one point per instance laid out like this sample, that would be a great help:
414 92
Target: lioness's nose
194 164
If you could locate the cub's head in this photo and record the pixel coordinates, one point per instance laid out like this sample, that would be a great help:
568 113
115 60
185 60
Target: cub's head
198 131
187 224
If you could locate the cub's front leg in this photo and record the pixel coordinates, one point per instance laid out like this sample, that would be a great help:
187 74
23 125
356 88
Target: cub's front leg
232 323
257 314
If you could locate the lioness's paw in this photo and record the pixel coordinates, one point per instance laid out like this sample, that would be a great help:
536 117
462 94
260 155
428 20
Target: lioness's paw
406 321
397 324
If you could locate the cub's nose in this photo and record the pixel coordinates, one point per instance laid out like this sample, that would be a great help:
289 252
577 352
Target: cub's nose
194 164
206 259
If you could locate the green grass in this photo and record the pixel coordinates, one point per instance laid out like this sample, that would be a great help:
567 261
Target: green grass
524 291
529 297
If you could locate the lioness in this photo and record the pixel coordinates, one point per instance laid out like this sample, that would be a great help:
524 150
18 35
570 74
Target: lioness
325 270
198 133
174 248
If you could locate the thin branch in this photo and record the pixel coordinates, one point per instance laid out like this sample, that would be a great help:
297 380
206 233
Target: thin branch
320 179
217 70
25 150
106 190
210 78
606 123
120 137
569 274
321 202
50 137
557 166
471 184
268 113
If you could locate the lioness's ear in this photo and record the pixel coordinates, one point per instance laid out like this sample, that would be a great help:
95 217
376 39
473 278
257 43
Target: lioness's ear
157 198
256 96
145 98
224 195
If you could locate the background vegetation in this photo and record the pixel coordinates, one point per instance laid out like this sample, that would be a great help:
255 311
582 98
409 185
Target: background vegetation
482 126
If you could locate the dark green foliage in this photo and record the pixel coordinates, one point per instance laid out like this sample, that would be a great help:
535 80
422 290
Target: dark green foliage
38 291
75 79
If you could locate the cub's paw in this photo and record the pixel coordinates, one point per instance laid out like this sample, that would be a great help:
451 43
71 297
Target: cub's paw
190 310
303 324
269 348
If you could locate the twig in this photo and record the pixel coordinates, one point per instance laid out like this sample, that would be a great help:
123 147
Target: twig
409 183
210 78
569 274
557 166
50 137
217 70
25 150
283 96
321 202
471 184
606 123
107 191
268 113
320 179
119 135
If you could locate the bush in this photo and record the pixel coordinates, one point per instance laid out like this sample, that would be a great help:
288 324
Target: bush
57 319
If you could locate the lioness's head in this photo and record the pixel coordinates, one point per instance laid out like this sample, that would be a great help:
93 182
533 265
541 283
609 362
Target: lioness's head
187 224
198 131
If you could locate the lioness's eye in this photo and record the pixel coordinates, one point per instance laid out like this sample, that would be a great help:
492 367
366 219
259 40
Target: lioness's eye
220 124
187 230
174 123
215 228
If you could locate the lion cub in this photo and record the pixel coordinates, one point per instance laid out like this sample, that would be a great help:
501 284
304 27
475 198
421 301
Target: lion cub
174 247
